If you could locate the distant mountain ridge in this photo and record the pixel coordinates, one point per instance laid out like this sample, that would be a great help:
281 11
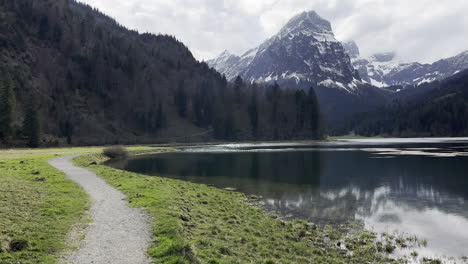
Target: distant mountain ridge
440 111
384 69
304 53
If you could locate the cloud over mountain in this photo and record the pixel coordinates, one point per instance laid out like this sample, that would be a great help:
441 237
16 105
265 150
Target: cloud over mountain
418 30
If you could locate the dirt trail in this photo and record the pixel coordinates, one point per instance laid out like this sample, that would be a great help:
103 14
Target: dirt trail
118 234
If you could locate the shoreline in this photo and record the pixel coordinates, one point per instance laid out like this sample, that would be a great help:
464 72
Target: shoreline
247 226
194 223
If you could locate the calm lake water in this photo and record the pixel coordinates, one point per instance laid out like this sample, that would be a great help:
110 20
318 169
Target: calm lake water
413 186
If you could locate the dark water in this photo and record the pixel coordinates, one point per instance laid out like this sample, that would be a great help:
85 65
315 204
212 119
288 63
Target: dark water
419 187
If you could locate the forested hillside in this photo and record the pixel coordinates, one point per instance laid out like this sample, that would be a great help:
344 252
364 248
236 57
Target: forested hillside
440 112
85 79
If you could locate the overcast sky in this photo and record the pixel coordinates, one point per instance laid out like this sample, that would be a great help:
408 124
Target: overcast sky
417 30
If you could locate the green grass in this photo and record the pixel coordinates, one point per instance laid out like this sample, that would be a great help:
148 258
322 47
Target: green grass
38 205
196 223
192 223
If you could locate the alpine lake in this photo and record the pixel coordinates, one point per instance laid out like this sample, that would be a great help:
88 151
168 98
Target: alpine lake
416 187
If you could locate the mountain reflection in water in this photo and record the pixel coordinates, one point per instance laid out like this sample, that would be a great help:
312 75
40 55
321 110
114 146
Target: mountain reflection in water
405 187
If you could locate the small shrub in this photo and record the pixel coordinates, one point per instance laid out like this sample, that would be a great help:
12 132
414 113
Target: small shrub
40 179
389 248
115 152
18 245
431 261
225 251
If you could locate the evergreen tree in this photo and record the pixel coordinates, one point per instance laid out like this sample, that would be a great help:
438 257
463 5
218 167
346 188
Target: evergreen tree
224 124
301 109
197 105
218 122
202 104
7 108
238 83
314 114
31 124
275 95
253 112
67 129
181 100
160 117
43 28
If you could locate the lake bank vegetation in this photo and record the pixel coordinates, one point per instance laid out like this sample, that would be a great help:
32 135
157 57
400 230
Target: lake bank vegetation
196 223
192 223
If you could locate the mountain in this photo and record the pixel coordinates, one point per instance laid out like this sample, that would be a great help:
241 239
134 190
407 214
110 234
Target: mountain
304 53
352 49
384 69
95 81
440 111
89 80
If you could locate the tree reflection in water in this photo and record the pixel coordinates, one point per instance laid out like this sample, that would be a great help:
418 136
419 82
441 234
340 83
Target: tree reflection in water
417 194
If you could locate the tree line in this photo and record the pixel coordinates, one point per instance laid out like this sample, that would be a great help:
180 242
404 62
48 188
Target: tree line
243 111
237 111
30 129
110 85
439 110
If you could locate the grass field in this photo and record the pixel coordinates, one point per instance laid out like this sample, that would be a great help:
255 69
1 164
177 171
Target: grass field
38 205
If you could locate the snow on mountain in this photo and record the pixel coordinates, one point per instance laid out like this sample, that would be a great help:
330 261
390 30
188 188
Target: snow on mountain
304 53
352 49
384 69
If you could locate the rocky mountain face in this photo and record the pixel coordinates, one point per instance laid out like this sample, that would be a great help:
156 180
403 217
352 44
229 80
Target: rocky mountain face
304 53
352 49
384 69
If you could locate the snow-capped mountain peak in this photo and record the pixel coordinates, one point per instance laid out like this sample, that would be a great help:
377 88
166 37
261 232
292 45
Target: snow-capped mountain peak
310 24
352 48
225 54
304 53
386 69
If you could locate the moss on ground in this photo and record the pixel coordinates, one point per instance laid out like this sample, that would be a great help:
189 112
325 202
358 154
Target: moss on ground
196 223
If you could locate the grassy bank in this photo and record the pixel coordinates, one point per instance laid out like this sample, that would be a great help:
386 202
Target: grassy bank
38 205
195 223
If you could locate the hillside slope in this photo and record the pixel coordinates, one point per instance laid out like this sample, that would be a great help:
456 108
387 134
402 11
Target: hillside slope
441 110
95 80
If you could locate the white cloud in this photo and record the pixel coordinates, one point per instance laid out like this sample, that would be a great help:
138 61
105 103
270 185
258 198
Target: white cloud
418 30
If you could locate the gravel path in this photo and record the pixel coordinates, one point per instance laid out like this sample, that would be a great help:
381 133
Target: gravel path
118 234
